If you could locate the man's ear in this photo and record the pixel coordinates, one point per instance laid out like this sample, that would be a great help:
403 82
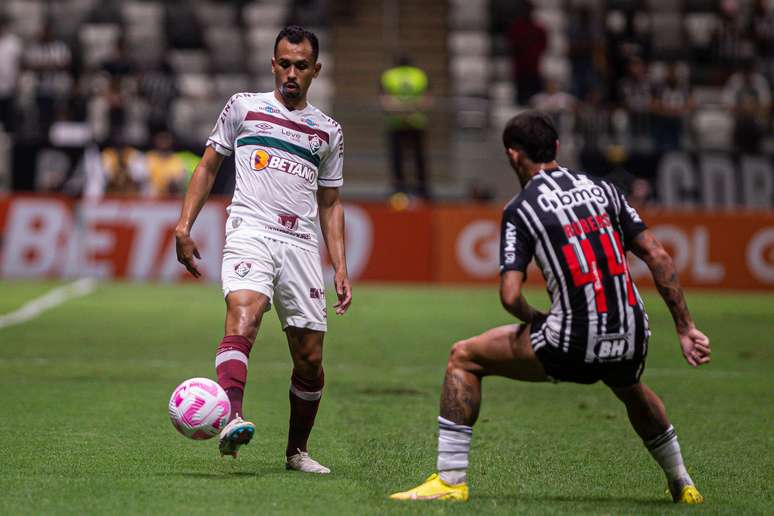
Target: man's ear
513 154
317 68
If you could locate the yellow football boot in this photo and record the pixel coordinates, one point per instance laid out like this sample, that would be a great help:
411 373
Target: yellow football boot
688 495
434 489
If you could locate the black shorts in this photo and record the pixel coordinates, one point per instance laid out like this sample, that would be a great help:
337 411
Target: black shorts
562 367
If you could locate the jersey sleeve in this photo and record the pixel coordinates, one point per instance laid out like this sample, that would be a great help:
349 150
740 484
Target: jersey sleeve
224 133
631 222
330 175
517 244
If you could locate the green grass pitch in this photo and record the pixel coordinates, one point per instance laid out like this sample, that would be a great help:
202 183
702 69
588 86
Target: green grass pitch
84 389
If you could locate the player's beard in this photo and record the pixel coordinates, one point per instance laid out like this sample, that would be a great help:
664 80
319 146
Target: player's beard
291 94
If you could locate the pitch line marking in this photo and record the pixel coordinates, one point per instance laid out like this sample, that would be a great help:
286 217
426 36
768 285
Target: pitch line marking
47 301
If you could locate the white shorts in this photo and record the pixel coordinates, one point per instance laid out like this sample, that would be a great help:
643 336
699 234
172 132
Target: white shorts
291 277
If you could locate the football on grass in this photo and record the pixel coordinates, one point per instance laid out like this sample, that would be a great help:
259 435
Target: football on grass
199 408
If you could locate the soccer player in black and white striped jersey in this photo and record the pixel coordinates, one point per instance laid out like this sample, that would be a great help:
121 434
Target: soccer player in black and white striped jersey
578 229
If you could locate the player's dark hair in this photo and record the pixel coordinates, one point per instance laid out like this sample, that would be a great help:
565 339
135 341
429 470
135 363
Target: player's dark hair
532 132
296 34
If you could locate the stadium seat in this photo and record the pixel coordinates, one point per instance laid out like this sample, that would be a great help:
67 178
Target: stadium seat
226 49
195 85
143 13
713 128
27 17
216 14
469 43
98 41
262 14
468 15
189 61
469 75
228 84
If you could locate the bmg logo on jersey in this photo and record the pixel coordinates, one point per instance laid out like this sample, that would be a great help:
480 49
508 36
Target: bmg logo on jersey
612 348
558 200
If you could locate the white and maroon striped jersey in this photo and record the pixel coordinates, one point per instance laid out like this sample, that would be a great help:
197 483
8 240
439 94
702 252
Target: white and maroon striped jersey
281 157
578 228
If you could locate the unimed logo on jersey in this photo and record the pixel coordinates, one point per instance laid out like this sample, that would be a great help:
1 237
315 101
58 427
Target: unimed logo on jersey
581 194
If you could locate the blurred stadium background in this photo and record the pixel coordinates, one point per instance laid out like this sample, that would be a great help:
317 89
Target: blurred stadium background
105 106
106 103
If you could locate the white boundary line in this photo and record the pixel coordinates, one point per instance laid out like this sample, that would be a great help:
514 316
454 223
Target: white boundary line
56 297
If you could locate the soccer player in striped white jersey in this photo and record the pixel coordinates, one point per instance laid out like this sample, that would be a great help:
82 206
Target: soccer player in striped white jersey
288 158
578 229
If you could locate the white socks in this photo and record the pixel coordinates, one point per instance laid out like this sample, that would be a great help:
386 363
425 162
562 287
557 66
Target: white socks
666 450
453 449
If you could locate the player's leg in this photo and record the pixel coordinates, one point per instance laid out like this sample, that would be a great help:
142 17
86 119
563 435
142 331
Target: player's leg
300 302
306 386
247 273
504 351
649 419
244 311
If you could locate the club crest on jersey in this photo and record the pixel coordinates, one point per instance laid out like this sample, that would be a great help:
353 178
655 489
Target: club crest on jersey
242 269
288 221
315 143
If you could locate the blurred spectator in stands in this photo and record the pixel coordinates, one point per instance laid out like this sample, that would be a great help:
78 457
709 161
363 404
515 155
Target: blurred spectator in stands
109 111
761 29
125 171
528 41
166 170
557 103
586 51
641 194
748 95
181 25
624 43
405 100
672 105
730 40
118 63
158 87
10 60
635 95
308 13
592 122
49 60
106 12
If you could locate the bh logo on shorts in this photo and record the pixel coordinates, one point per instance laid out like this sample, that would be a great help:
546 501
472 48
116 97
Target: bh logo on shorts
288 221
242 269
315 143
611 349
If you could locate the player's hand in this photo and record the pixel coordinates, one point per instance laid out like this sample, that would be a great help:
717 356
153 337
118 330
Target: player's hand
343 292
695 346
186 251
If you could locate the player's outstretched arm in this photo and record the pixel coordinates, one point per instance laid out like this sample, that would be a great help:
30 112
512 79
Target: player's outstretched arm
198 189
512 298
694 344
332 226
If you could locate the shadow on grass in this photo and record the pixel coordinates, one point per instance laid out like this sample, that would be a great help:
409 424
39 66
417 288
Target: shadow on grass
640 501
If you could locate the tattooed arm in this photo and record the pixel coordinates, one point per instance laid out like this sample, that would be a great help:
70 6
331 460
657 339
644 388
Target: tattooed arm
695 345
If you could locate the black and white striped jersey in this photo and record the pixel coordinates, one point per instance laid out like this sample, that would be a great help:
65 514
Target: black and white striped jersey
578 229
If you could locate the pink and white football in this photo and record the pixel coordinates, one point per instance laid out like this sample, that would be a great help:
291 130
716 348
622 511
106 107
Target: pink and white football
199 408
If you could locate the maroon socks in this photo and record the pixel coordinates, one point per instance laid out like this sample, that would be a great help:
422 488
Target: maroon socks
231 366
305 394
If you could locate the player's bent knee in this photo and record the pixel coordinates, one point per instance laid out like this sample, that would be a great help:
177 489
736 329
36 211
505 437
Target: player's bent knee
460 354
